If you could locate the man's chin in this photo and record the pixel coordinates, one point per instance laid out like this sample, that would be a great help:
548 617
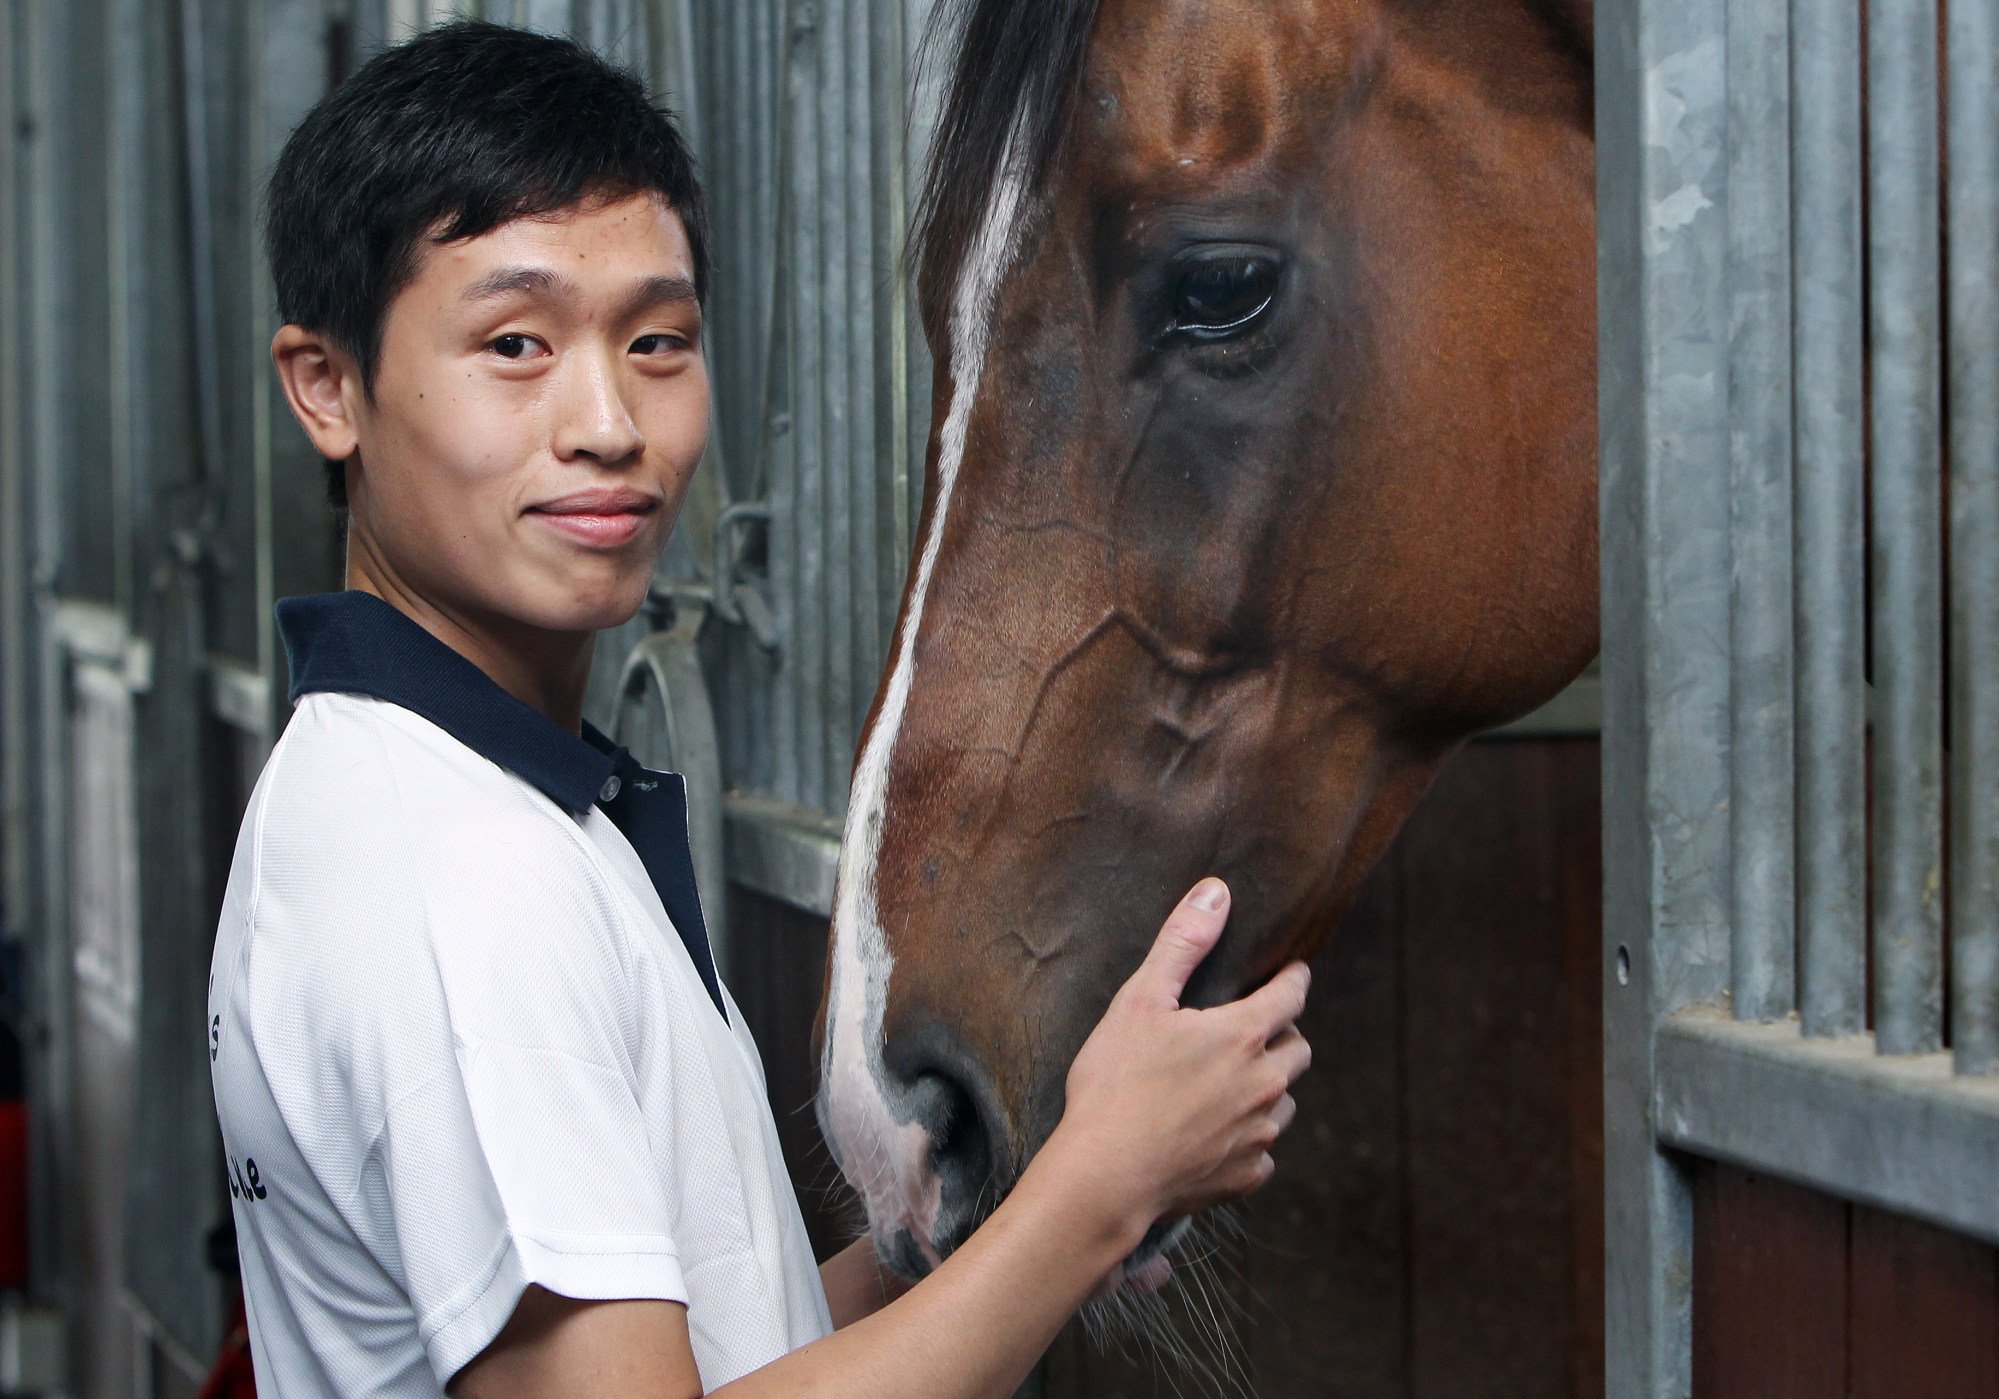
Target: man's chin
577 605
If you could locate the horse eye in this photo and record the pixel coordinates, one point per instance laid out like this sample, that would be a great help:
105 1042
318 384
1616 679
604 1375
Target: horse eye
1218 296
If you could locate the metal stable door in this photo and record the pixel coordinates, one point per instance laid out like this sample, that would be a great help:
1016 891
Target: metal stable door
1774 465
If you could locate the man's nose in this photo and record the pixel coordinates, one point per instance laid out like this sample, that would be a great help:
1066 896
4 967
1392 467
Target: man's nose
596 422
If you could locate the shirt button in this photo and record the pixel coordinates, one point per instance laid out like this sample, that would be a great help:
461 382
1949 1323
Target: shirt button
609 791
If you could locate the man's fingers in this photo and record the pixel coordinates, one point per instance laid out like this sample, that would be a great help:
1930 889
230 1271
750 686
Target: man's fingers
1291 1052
1278 1001
1189 934
1281 1115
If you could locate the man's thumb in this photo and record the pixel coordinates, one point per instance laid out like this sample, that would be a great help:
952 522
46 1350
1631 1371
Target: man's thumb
1189 934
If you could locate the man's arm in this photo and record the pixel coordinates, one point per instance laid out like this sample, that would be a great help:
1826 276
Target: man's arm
1185 1104
971 1330
857 1284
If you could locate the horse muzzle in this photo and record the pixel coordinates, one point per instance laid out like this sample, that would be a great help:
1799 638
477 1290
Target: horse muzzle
924 1142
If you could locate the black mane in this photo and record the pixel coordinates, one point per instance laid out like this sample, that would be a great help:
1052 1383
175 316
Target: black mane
1012 61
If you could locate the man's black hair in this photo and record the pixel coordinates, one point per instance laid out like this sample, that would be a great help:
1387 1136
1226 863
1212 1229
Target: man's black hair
448 136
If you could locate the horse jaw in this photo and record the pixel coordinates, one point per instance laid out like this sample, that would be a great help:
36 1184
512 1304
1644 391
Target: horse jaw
880 1147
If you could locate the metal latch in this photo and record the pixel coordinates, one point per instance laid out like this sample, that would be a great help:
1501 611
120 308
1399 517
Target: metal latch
736 598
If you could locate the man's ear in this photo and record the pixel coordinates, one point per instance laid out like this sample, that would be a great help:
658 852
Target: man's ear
323 385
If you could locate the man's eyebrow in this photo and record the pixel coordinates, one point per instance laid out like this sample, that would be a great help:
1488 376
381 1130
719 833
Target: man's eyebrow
665 290
505 281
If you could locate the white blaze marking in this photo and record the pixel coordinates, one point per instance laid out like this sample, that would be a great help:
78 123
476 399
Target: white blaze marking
885 1158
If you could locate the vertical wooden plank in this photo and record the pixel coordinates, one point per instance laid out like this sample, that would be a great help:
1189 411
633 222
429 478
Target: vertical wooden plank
1320 1279
1925 1312
1487 1036
1769 1289
1580 868
1328 1253
775 977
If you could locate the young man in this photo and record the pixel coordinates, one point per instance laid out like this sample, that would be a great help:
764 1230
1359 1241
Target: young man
493 1126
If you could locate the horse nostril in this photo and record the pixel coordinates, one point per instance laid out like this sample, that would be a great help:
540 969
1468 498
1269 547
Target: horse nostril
967 1155
947 1092
961 1151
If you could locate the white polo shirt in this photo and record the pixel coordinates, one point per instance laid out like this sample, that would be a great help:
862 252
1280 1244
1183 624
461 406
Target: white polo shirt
466 1036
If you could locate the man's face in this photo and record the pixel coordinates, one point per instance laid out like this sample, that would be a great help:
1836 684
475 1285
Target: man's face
540 402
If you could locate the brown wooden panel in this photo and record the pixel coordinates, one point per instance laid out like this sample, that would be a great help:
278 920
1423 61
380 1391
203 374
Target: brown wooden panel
1769 1289
1320 1279
1501 1027
1924 1308
1435 1228
777 967
1583 879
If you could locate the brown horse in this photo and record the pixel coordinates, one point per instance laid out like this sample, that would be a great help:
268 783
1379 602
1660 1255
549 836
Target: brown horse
1262 474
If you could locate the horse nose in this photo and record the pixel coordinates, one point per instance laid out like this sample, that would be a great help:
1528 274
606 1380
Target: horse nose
951 1096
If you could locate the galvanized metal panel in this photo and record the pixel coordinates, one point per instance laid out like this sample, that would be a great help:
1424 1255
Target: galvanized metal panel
815 394
1763 972
1810 1099
18 894
230 340
1972 56
45 925
1829 543
297 543
92 519
1900 1132
172 1196
1905 385
1664 456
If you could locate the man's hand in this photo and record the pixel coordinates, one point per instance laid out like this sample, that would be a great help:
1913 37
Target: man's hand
1178 1108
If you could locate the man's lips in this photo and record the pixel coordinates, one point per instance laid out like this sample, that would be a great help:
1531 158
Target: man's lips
601 519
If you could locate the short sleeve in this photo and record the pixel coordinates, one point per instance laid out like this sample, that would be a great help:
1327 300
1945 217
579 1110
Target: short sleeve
520 1154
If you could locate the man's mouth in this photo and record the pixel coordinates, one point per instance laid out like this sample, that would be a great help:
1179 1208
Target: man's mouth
599 519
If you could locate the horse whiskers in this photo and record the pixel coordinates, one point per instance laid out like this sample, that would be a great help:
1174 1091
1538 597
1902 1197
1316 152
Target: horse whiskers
1188 1331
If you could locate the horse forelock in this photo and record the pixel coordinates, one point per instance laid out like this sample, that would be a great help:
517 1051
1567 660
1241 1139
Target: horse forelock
1015 69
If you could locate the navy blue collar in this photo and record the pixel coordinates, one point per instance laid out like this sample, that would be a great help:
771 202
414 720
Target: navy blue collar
355 643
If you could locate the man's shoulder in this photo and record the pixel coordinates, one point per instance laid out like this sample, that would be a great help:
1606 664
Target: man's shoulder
399 894
357 776
372 821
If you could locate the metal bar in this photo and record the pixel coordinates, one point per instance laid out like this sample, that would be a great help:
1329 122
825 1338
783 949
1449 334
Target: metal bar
809 397
1829 545
1662 355
889 209
47 443
17 896
785 852
1972 59
1905 385
841 386
925 85
870 296
1763 961
1902 1133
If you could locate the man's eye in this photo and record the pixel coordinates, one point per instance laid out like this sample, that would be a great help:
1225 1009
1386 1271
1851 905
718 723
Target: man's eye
512 345
658 343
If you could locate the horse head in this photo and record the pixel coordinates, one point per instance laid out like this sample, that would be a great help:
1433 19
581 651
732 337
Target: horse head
1262 473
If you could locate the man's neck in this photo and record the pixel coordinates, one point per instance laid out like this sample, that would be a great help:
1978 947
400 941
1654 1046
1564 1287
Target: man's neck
547 671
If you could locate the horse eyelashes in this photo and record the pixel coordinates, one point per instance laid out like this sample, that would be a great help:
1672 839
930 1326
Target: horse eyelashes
1219 295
